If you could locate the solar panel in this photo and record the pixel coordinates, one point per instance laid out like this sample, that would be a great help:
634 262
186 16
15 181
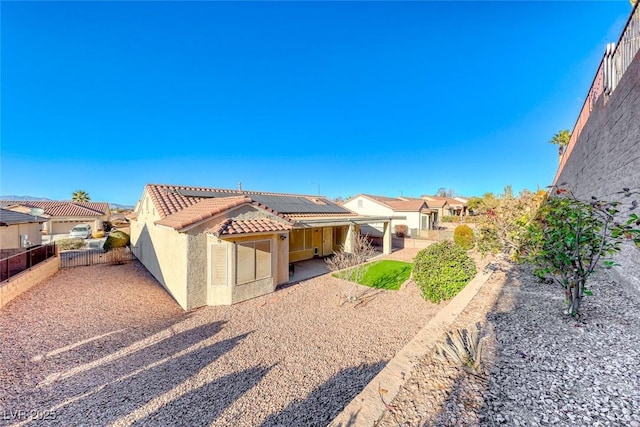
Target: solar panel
279 203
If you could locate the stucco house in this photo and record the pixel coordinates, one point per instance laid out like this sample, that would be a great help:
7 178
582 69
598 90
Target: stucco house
211 246
416 214
18 232
61 216
450 206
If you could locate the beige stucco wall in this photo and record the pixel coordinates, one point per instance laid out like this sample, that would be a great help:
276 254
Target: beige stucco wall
64 224
230 293
163 251
28 279
10 236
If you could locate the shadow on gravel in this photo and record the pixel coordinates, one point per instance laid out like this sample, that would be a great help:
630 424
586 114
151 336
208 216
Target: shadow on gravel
325 402
458 395
107 394
201 406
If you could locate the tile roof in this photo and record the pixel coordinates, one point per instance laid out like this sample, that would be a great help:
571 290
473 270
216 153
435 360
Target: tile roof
231 227
201 210
404 204
180 206
8 217
62 208
451 201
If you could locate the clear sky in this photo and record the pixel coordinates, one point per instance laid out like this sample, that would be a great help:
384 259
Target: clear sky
387 98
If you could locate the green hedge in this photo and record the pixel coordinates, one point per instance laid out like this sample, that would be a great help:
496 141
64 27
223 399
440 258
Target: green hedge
442 270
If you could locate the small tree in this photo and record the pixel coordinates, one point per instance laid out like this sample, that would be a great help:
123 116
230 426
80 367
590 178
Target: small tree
362 251
571 237
503 226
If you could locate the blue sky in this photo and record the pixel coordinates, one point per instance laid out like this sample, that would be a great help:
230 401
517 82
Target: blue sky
385 98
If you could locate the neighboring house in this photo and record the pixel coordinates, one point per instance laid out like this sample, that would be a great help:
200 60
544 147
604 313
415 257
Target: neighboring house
211 246
62 216
416 214
449 206
18 232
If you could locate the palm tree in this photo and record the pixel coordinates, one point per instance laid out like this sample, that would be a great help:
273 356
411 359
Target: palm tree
80 196
561 139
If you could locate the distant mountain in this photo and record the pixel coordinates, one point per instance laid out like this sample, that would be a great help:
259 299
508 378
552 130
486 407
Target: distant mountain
123 207
14 197
27 198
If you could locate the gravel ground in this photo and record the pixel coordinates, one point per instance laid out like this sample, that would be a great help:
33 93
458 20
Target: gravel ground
106 345
541 367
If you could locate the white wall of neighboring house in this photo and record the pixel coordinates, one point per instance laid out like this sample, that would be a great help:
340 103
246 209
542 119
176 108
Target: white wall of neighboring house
365 206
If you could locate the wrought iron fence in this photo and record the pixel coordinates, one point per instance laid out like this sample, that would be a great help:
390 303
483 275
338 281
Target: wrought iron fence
83 258
614 63
22 261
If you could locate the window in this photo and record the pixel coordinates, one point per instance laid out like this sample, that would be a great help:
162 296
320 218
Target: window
253 261
301 239
360 203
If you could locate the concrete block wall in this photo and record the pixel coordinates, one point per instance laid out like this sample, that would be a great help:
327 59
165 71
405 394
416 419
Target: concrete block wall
606 158
28 279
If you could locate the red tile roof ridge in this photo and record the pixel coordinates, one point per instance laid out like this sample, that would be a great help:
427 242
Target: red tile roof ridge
235 191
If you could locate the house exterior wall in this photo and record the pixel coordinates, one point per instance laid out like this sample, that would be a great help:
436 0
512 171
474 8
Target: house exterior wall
163 252
368 207
10 236
606 158
64 224
222 287
371 207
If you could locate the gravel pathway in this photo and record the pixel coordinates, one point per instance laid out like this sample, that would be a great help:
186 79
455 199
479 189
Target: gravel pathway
106 345
542 368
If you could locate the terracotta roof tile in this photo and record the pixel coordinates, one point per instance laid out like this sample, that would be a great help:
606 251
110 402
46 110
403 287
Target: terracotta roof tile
404 204
63 208
201 210
230 227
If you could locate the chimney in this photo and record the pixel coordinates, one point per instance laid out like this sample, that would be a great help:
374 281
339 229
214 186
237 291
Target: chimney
239 186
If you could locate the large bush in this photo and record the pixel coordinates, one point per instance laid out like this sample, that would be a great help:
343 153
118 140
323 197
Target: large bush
442 270
463 237
69 244
117 239
572 238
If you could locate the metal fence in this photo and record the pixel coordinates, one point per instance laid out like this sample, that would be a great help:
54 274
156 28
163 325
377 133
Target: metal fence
614 63
83 258
22 261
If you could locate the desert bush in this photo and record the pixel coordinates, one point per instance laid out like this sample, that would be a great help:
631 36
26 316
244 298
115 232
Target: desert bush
571 238
69 244
97 234
442 270
463 236
117 239
504 226
401 230
462 348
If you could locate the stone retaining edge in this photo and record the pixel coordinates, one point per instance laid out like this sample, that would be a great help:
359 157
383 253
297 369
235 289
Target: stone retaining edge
367 407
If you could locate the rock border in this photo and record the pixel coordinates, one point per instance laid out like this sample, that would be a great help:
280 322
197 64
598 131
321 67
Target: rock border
369 405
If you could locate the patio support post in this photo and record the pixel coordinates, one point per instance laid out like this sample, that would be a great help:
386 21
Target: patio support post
348 242
386 238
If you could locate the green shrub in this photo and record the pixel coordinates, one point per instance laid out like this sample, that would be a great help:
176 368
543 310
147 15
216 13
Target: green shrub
69 244
463 237
117 239
442 270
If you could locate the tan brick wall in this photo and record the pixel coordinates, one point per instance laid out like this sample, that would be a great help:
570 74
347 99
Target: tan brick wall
606 158
27 279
